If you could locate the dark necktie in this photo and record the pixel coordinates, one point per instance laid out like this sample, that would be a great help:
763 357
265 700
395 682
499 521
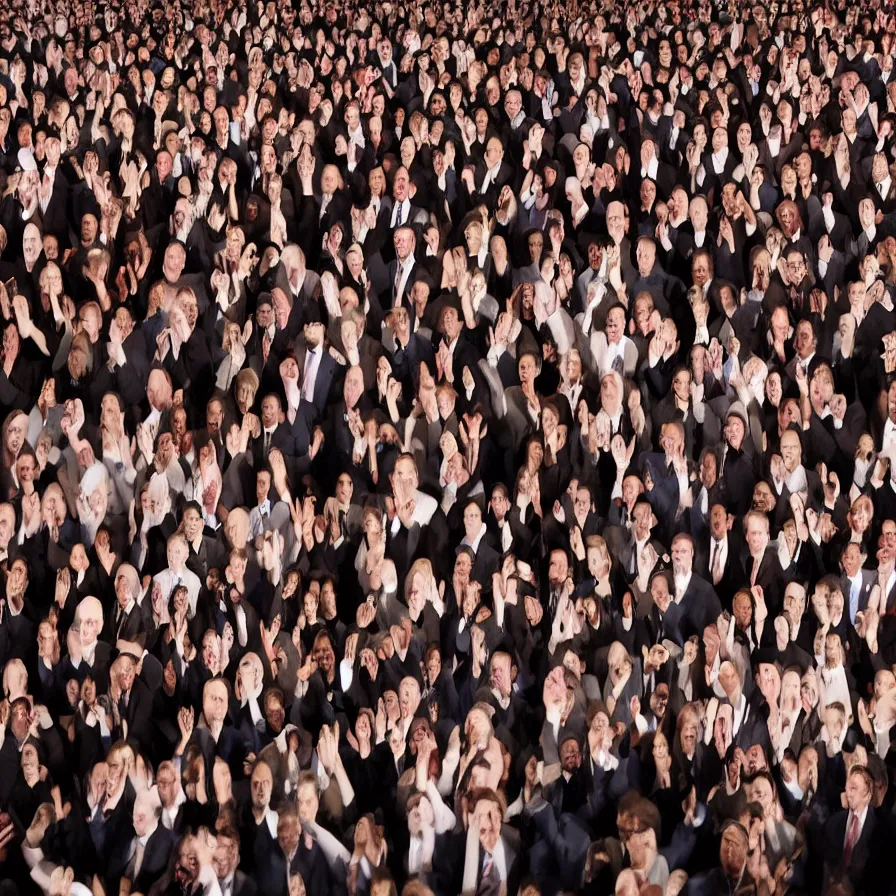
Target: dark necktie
552 603
399 270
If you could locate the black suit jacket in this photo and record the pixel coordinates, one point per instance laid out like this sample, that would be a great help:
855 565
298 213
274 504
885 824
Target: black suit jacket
138 714
866 870
699 607
496 184
243 885
769 578
733 575
388 298
211 555
127 626
55 217
323 381
284 439
156 855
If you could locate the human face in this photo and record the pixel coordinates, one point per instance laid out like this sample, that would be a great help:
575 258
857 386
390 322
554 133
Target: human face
307 804
489 823
403 240
791 451
681 385
615 325
214 703
857 794
700 270
167 783
270 411
682 556
742 610
494 152
733 852
735 431
852 560
558 570
472 521
91 622
353 387
756 536
261 786
570 756
527 369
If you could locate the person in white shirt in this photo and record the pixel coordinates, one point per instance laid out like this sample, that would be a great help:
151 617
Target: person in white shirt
177 573
171 794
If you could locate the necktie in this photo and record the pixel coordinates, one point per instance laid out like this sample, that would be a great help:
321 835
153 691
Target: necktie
755 572
137 860
717 563
307 382
398 216
267 442
399 270
852 836
488 882
552 603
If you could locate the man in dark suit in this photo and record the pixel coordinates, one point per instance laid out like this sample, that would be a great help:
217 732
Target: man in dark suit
855 583
127 621
856 838
95 655
291 854
639 539
277 433
761 563
205 552
128 367
652 167
317 366
384 61
135 702
567 792
220 740
301 288
226 861
53 191
664 618
492 855
731 877
403 272
695 596
490 177
147 854
720 557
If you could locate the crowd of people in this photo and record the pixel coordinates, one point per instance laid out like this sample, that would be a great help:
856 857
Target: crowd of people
447 448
